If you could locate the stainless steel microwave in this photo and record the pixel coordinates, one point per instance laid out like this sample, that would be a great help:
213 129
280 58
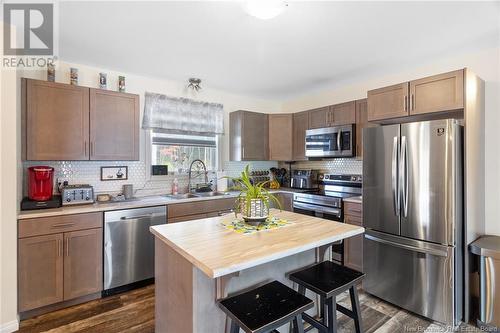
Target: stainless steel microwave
338 141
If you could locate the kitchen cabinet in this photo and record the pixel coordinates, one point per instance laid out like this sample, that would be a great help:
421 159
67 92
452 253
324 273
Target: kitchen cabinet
286 201
353 246
342 114
187 211
40 271
248 136
60 259
361 122
418 99
281 137
114 125
388 102
82 263
56 121
300 125
68 123
443 92
319 118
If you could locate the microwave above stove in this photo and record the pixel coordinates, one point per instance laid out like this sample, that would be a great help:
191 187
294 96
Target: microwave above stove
337 141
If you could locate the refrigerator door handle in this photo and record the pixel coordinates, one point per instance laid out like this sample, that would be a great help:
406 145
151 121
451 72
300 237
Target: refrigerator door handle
435 252
395 190
403 175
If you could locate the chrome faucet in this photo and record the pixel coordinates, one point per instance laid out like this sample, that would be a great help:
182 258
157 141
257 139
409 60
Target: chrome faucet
199 174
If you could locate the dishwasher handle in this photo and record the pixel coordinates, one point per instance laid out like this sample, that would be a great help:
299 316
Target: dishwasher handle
147 216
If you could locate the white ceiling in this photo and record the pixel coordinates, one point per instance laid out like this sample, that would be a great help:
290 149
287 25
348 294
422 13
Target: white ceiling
309 46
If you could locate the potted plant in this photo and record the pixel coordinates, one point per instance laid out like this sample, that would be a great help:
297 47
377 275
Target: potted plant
253 200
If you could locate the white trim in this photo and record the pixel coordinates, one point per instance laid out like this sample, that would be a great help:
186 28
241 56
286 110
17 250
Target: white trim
9 327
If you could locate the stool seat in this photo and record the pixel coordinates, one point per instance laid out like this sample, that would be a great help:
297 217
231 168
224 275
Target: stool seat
266 307
327 278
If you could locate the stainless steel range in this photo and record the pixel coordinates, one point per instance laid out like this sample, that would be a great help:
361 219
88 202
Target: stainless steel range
328 202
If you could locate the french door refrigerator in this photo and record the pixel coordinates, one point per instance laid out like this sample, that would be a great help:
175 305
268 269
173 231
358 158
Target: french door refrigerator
413 212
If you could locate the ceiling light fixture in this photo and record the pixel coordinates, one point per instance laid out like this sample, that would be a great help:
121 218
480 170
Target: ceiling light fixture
265 9
194 84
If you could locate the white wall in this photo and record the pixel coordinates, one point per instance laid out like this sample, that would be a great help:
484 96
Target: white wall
484 63
8 196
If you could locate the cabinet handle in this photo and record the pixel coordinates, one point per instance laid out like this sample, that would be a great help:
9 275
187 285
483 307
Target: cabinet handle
59 248
62 225
412 102
405 103
85 147
67 246
355 210
91 148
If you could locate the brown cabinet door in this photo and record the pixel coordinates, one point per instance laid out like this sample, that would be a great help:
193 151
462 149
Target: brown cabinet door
114 125
353 246
320 118
82 263
286 201
280 137
40 271
388 102
342 114
443 92
300 125
255 137
57 121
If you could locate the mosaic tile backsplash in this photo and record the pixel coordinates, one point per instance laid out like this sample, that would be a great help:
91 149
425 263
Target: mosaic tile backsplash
88 172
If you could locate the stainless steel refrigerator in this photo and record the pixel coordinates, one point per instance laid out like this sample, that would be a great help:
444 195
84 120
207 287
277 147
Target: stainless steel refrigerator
413 213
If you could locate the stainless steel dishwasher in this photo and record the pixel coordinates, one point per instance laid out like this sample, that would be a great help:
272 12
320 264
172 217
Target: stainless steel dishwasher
129 246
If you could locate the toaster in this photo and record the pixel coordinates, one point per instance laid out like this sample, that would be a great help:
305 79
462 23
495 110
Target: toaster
77 194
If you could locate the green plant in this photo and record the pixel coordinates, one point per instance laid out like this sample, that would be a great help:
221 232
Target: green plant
249 191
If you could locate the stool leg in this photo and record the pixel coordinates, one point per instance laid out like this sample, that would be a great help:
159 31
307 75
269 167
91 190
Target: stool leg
298 324
322 305
353 292
331 306
234 327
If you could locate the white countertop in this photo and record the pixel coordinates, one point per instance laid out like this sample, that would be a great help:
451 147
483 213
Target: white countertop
147 201
218 251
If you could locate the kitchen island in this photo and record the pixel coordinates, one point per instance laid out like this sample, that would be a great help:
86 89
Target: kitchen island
200 261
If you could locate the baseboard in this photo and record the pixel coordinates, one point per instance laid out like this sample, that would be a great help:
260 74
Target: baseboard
9 327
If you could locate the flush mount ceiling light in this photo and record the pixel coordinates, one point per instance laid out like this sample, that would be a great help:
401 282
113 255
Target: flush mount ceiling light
265 9
194 84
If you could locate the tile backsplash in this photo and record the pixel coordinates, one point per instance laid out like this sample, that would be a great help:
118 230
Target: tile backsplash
88 172
335 165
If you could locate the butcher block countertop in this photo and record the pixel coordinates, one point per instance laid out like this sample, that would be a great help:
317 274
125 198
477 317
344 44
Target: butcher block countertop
218 251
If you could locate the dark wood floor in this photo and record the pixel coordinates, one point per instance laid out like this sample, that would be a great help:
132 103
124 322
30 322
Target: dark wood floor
133 311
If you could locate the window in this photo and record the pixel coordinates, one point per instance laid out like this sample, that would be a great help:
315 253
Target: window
178 151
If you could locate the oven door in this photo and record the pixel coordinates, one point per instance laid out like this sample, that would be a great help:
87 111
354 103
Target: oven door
328 213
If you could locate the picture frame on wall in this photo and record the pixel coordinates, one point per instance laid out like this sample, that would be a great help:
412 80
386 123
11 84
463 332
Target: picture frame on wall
114 173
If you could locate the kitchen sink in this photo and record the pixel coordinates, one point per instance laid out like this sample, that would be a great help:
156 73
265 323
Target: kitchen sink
209 194
181 196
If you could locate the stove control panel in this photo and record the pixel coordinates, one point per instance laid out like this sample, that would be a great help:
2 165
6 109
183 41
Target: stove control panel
341 178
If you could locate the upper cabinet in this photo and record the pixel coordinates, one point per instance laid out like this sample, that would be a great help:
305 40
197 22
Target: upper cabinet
248 136
439 93
319 118
66 122
281 137
300 126
333 115
443 92
56 121
342 114
114 125
388 102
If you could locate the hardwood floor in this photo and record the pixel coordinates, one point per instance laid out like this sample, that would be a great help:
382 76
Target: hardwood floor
133 311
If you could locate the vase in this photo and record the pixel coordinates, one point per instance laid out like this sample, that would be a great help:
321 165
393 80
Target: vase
254 211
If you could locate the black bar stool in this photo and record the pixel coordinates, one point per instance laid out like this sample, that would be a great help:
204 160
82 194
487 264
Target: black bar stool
328 280
266 308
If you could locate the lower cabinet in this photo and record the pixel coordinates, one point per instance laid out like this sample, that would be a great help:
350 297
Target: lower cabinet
60 266
286 201
353 246
199 209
